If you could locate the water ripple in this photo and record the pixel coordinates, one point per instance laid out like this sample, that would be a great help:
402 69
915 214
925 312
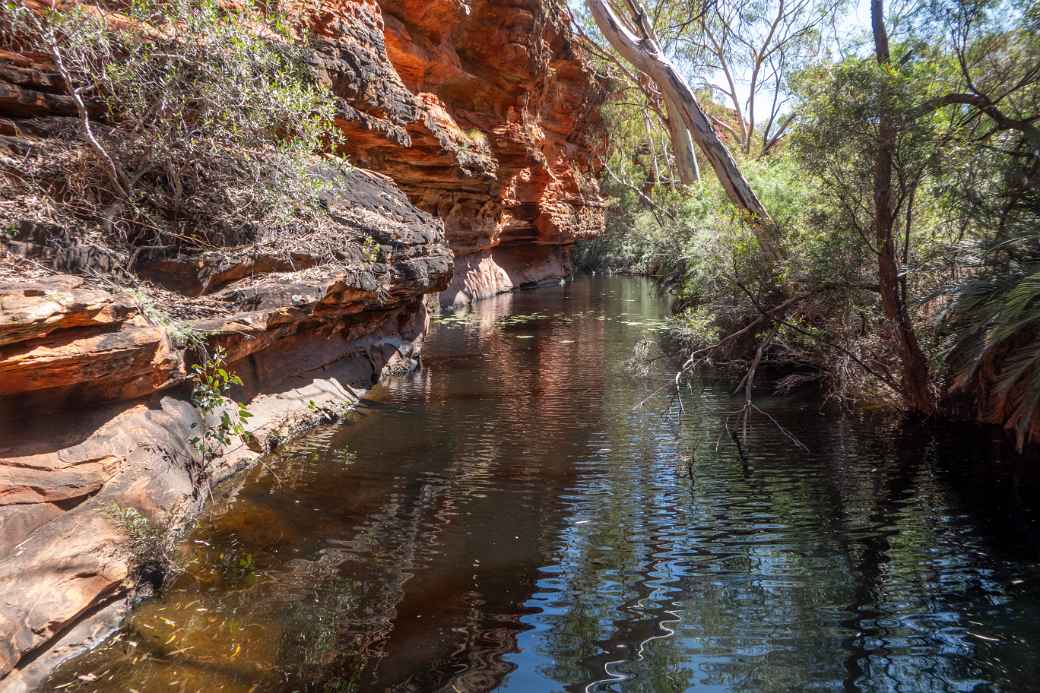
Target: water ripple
509 518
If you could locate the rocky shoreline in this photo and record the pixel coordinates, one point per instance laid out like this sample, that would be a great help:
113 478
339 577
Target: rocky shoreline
473 134
95 412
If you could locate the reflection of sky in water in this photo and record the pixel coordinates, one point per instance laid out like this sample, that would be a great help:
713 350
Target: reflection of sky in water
508 518
852 567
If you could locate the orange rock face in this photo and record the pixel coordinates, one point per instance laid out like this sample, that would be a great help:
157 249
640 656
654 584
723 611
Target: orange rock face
510 76
472 124
484 112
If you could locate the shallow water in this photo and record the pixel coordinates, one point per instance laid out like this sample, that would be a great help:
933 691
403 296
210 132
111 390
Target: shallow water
509 518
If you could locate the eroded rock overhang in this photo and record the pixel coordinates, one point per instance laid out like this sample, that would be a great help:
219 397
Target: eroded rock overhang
486 114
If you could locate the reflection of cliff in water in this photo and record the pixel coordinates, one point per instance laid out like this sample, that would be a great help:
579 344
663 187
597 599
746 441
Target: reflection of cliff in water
492 474
508 517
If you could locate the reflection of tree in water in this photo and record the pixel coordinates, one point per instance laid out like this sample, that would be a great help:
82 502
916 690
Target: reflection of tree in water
328 639
855 568
609 564
660 668
925 581
340 615
342 632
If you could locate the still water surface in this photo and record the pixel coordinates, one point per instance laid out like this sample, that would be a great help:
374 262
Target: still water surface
509 518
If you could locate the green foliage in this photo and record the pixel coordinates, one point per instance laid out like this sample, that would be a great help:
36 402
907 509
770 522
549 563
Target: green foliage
837 136
695 326
237 567
212 383
961 178
151 546
211 119
477 137
692 239
370 250
993 320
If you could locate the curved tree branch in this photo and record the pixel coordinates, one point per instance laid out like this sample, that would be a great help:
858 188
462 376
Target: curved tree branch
646 55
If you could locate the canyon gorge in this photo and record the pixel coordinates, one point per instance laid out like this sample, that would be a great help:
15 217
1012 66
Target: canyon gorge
474 139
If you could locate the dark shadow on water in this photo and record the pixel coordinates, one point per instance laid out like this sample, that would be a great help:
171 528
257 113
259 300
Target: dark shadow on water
507 517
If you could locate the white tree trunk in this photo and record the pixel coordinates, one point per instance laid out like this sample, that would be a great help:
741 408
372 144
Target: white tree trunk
682 145
647 56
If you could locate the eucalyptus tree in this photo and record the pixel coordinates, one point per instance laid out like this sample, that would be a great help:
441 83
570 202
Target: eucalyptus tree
923 137
890 194
941 115
670 19
746 51
635 39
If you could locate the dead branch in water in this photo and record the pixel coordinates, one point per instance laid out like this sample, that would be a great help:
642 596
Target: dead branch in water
766 314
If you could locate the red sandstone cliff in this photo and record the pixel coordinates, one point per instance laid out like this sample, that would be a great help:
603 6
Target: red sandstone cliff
474 129
485 114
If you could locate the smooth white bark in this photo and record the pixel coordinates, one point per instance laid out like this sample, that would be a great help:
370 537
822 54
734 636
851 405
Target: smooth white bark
646 56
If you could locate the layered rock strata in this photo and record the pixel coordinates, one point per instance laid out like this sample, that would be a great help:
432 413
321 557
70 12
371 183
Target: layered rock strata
94 414
473 130
485 113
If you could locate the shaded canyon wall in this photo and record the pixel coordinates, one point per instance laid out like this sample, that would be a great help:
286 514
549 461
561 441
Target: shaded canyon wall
474 135
485 114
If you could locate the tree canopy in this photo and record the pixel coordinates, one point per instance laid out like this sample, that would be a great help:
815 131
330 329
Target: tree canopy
868 219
